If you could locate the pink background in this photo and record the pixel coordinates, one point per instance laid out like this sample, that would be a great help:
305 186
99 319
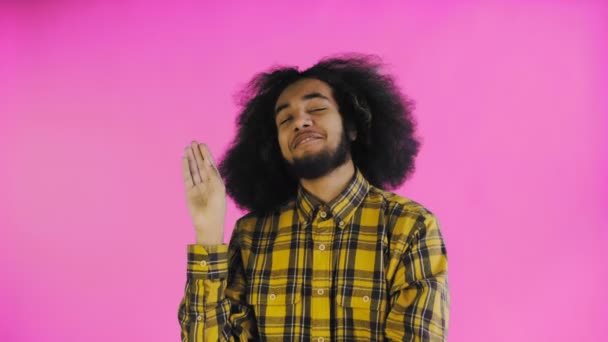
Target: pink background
99 98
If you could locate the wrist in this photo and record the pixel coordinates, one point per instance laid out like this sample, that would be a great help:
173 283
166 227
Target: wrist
206 240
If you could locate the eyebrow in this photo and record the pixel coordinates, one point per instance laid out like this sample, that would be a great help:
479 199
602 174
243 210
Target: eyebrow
305 97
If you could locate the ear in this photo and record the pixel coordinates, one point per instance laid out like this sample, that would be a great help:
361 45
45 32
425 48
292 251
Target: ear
352 134
351 130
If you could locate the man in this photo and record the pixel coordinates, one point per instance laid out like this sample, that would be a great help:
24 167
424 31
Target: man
324 254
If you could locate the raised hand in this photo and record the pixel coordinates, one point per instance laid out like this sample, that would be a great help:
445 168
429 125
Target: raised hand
205 194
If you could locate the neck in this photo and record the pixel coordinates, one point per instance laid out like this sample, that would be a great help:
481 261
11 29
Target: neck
329 186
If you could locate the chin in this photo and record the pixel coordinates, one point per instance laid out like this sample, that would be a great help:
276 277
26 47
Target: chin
307 153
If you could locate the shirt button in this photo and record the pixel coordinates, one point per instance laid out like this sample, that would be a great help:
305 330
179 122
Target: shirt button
203 263
341 224
321 247
273 296
365 299
320 292
321 339
323 214
199 318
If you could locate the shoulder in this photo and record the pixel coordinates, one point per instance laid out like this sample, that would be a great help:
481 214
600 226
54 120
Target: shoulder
259 222
406 218
396 204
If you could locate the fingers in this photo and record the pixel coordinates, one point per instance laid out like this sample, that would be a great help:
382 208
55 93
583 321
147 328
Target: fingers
196 177
209 162
198 164
186 172
201 163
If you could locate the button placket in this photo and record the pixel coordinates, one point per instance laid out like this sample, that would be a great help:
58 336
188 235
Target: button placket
322 234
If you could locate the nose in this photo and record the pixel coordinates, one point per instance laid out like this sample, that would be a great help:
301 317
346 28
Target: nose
302 120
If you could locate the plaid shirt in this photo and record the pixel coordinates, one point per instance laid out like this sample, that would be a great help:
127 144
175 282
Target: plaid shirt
368 266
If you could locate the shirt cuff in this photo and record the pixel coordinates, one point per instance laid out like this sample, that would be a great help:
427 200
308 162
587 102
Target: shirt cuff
209 262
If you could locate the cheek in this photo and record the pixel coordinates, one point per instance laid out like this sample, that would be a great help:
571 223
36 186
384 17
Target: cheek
336 135
283 145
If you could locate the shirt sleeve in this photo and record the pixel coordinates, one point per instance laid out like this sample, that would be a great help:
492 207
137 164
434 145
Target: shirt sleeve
213 307
419 294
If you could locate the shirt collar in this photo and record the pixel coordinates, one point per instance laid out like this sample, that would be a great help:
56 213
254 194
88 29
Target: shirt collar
341 207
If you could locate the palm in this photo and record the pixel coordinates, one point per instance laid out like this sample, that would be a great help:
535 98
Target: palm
203 199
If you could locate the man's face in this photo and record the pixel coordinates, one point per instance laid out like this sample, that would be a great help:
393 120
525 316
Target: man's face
310 129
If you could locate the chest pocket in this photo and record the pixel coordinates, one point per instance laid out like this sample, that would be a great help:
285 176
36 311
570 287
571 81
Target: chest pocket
275 306
363 301
361 298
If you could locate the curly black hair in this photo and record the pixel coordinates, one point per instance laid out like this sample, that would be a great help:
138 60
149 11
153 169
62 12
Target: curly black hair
254 169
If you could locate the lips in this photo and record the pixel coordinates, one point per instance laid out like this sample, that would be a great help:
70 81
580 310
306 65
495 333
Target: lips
304 136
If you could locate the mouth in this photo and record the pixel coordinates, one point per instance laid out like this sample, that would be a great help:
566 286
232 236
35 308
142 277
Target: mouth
307 140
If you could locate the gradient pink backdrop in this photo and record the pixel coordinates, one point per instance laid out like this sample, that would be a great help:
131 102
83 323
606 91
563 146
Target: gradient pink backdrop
99 98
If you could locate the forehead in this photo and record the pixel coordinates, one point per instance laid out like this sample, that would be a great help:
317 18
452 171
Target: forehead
296 90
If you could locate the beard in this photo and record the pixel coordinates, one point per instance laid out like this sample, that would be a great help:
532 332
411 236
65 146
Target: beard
321 163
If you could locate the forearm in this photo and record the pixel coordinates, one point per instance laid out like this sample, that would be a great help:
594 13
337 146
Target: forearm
420 298
203 310
208 237
210 309
421 312
204 241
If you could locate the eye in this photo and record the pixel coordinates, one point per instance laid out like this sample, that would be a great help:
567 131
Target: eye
317 109
284 121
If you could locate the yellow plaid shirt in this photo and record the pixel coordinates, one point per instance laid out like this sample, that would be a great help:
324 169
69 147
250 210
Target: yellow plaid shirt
368 266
